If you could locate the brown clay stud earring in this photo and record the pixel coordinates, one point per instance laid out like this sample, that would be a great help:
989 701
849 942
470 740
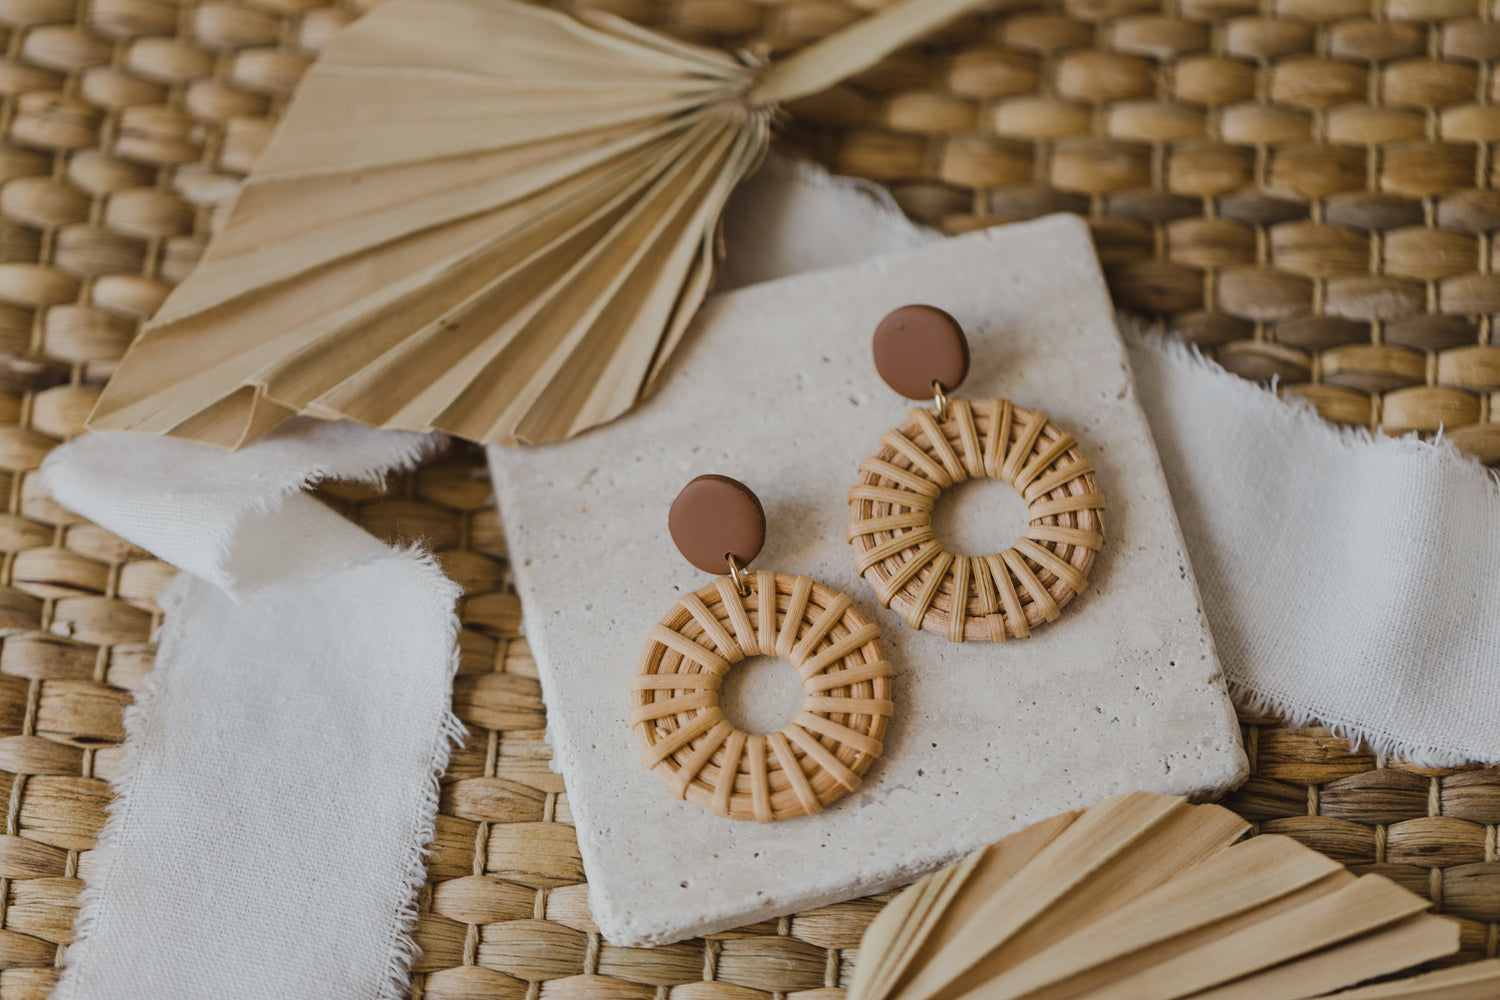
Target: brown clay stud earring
922 353
718 524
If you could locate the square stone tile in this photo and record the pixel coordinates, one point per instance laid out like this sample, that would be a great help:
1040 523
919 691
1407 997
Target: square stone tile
775 386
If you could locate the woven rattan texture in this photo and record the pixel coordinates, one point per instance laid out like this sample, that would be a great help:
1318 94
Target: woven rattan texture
684 736
1303 187
976 597
126 124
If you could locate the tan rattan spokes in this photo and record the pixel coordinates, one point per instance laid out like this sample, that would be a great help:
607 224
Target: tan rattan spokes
976 597
817 757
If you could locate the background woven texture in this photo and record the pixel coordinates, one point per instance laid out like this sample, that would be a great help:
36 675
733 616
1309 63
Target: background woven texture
1303 185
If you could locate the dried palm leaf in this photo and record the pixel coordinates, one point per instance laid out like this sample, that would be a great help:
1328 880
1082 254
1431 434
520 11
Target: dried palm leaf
1145 897
476 216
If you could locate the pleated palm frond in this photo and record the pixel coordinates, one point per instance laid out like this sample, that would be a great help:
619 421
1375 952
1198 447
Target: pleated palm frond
1145 897
476 216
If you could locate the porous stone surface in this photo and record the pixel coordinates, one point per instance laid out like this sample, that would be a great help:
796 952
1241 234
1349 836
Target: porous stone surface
775 386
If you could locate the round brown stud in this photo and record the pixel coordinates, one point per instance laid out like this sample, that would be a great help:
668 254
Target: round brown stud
715 517
916 346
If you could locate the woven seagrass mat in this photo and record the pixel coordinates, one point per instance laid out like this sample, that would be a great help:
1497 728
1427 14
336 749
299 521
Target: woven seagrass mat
1302 185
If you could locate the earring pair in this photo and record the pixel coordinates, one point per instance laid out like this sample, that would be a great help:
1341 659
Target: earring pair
719 526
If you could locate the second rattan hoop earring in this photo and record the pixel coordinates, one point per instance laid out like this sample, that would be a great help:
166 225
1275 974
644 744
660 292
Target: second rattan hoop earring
922 353
823 753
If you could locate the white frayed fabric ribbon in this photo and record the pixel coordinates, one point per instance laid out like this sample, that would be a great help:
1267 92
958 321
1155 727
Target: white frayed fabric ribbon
1348 578
280 778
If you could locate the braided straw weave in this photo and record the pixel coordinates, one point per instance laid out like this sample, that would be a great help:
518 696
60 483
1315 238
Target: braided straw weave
125 124
1304 188
816 758
976 597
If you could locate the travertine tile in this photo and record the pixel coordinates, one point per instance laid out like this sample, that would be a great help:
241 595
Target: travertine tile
775 387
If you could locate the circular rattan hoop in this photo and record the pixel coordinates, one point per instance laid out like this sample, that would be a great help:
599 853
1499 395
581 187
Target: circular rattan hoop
976 597
816 758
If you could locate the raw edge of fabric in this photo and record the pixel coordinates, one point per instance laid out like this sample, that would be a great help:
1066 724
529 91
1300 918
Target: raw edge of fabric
347 451
1143 335
344 451
117 809
403 948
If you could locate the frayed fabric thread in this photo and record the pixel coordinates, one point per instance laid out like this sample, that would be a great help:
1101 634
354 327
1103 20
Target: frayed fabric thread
1378 622
93 897
404 949
355 643
1381 745
1141 334
228 507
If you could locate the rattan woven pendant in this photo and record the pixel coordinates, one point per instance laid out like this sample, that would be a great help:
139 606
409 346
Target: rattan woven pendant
819 756
476 216
1145 897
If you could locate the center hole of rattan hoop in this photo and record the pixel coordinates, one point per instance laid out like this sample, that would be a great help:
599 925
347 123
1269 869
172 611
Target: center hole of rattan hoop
761 694
979 516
